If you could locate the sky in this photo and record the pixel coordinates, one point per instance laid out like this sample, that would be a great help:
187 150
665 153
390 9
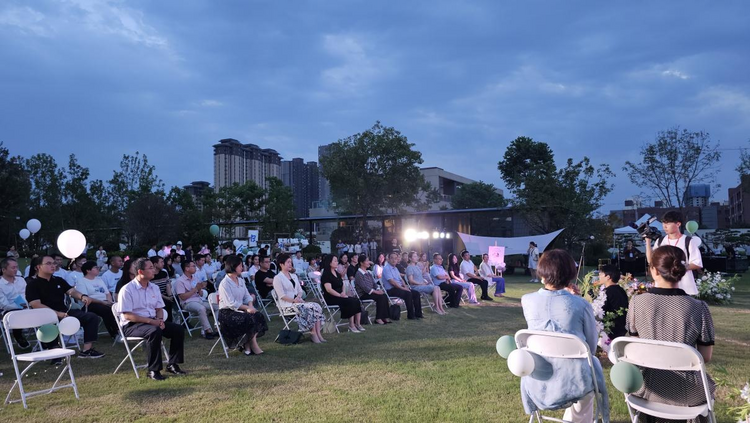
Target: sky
103 78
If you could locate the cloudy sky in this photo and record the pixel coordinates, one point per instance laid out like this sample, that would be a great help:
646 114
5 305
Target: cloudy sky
460 79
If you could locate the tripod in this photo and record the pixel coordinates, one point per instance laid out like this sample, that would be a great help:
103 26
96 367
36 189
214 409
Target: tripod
580 263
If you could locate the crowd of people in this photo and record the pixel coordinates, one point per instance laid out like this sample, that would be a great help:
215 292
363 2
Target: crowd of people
147 292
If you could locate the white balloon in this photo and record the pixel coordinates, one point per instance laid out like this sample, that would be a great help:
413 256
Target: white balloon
33 226
24 233
71 243
236 242
521 363
69 326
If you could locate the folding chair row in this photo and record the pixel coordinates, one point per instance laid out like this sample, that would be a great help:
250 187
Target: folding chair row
139 342
331 310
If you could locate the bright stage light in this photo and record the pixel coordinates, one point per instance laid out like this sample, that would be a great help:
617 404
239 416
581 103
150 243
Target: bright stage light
435 235
442 235
448 236
410 235
424 235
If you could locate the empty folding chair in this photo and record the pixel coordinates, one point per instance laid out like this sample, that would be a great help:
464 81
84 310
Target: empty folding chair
127 339
33 318
662 355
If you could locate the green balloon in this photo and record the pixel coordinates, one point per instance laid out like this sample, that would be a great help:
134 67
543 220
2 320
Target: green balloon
626 377
505 345
214 229
47 333
691 226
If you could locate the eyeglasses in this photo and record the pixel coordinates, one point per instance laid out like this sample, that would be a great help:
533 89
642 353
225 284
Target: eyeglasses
49 263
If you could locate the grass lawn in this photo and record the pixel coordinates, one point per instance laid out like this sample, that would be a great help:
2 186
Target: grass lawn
442 369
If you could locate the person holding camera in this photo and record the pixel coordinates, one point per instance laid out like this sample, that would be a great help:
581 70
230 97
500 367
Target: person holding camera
672 222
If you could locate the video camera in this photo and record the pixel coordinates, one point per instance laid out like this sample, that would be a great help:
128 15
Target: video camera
645 230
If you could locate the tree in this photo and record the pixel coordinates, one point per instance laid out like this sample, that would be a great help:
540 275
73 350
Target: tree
46 196
375 171
477 195
550 198
675 160
279 210
15 188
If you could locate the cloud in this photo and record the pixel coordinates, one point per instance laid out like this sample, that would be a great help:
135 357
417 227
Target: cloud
358 68
210 103
26 19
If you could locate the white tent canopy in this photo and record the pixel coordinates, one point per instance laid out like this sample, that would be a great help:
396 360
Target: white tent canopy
517 245
628 230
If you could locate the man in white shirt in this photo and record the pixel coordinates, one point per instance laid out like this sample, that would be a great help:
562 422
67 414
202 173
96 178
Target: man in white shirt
469 272
188 289
178 249
113 274
672 223
373 249
75 275
300 265
152 251
60 271
13 294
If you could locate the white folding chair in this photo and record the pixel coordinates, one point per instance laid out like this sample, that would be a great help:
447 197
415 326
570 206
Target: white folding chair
394 300
33 318
427 297
332 310
213 300
180 312
559 345
125 341
366 304
288 314
265 303
662 355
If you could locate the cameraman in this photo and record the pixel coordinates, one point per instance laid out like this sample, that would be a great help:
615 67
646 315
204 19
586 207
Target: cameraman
672 222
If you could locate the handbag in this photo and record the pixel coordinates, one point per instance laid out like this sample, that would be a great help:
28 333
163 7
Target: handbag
394 312
364 317
289 337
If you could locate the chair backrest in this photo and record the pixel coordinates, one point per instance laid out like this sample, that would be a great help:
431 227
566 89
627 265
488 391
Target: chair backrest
654 354
282 310
552 344
213 298
30 318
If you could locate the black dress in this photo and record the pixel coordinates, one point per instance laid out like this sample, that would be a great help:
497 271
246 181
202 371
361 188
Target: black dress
348 306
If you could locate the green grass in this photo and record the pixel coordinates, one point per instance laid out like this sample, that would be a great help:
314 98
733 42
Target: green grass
442 369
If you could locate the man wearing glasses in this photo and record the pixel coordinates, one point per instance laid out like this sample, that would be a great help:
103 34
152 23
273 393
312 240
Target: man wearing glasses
48 291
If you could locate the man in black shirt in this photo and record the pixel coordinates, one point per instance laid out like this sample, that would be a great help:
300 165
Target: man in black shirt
617 299
48 291
351 271
264 277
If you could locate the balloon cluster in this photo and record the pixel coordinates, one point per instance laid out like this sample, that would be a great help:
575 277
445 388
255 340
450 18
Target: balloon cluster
32 227
520 361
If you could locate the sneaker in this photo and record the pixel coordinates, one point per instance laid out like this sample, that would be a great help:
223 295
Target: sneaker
90 353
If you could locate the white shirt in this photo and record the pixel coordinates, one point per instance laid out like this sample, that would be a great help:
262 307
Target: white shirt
373 245
467 266
358 248
299 263
180 252
200 274
26 272
10 291
73 277
151 253
110 279
101 255
61 273
485 270
533 258
95 288
687 283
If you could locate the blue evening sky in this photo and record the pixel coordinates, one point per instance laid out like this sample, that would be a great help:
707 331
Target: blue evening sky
461 80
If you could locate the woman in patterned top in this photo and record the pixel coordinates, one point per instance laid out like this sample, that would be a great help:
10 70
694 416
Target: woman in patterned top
667 313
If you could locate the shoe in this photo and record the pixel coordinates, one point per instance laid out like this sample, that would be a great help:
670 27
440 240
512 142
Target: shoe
351 329
499 295
175 370
247 353
360 328
488 298
155 375
23 343
209 335
90 353
420 317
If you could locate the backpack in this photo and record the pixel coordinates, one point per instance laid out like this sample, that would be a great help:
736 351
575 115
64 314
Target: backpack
687 246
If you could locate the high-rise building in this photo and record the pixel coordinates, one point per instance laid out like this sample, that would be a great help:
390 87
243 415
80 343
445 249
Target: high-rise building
239 163
325 188
303 179
196 189
697 195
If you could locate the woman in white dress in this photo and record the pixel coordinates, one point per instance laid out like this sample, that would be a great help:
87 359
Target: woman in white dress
289 294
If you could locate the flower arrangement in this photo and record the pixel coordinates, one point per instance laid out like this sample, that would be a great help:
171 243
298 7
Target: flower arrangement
742 412
714 288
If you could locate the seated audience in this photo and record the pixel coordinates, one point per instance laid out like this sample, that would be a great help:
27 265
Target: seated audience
113 273
342 267
351 271
441 277
162 280
377 268
454 270
168 266
128 274
486 273
264 277
564 381
101 300
396 287
46 290
367 289
238 319
469 272
335 293
417 282
142 314
74 270
289 293
189 292
177 263
299 262
60 271
616 302
667 313
13 294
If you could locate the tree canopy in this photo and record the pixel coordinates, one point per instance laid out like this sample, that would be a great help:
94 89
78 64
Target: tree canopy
477 195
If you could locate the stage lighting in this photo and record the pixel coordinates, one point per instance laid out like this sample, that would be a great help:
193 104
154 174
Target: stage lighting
442 235
435 235
410 235
424 235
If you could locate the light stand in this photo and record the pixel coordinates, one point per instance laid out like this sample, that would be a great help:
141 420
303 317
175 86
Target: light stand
581 263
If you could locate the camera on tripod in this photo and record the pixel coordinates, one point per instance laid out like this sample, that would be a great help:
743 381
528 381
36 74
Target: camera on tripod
645 230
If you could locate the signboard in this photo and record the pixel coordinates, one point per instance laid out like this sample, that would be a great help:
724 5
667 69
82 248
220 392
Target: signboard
497 256
252 237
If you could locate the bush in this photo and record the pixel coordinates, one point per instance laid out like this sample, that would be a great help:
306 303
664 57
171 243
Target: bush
714 288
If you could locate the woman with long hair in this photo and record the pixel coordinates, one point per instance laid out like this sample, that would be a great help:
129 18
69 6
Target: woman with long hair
289 295
128 274
238 318
377 268
454 270
335 293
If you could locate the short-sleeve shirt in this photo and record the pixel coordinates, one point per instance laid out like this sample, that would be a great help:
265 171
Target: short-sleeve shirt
687 283
416 273
183 285
260 276
337 284
95 288
351 272
670 315
136 299
390 272
50 292
435 271
467 266
161 280
617 299
111 278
